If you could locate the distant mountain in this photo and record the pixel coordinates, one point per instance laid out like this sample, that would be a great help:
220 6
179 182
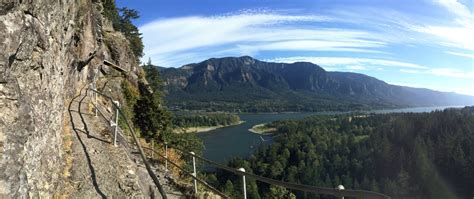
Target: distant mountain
247 84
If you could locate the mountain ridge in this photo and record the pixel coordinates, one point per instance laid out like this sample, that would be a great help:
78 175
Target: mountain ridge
248 84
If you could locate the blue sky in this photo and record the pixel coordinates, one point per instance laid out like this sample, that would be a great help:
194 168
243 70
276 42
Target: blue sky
423 43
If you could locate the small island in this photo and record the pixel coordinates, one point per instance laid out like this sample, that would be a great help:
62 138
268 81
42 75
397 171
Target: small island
263 129
200 129
203 122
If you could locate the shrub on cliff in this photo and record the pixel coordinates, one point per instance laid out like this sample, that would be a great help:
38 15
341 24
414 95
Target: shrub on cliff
121 19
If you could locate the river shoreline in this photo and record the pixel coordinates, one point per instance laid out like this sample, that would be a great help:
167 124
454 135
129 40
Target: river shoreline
224 144
262 130
202 129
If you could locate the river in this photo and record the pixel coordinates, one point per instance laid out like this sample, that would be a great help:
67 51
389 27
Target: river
227 143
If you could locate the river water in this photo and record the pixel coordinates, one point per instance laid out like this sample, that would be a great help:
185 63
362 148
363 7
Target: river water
227 143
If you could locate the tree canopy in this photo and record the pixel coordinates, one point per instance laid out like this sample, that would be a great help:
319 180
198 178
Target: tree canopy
404 155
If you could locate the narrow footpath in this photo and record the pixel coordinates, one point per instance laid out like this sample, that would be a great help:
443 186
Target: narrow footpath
101 170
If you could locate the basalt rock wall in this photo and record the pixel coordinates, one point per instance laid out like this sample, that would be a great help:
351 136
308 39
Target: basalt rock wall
49 50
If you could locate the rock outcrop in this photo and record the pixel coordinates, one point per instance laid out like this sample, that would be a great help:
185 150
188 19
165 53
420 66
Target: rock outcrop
49 50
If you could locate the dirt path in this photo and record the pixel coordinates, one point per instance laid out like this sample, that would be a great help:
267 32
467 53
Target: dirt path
101 170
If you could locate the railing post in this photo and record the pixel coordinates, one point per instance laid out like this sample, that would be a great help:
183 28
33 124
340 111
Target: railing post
166 156
340 188
95 94
244 183
194 173
96 105
152 149
116 122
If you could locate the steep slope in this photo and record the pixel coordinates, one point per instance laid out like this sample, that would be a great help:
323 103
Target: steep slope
233 83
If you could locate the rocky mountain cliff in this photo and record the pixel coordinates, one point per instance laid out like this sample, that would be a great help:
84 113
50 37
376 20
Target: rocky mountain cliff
233 83
50 49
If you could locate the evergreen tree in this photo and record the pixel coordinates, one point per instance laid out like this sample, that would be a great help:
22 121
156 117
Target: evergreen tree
152 119
277 192
121 19
229 188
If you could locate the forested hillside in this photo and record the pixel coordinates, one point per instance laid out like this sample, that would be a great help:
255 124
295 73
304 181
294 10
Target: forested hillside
407 155
249 85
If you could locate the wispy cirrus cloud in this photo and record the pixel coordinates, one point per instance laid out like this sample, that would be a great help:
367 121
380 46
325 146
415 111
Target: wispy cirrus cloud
249 33
463 15
461 54
356 67
348 61
457 34
410 71
443 72
451 72
184 33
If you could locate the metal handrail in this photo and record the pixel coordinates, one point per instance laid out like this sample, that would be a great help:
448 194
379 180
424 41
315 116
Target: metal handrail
189 174
142 154
174 164
120 131
294 186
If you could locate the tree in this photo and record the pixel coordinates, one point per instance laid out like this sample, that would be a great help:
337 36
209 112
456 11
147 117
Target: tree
152 119
149 62
277 192
229 188
154 79
253 190
403 184
130 31
121 19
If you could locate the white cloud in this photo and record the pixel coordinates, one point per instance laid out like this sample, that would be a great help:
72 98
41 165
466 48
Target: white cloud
443 72
458 34
414 28
452 36
344 61
356 67
410 71
451 72
248 33
461 54
177 41
464 15
356 63
343 31
178 34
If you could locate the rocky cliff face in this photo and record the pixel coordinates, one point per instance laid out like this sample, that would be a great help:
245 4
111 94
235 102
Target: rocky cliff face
49 50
